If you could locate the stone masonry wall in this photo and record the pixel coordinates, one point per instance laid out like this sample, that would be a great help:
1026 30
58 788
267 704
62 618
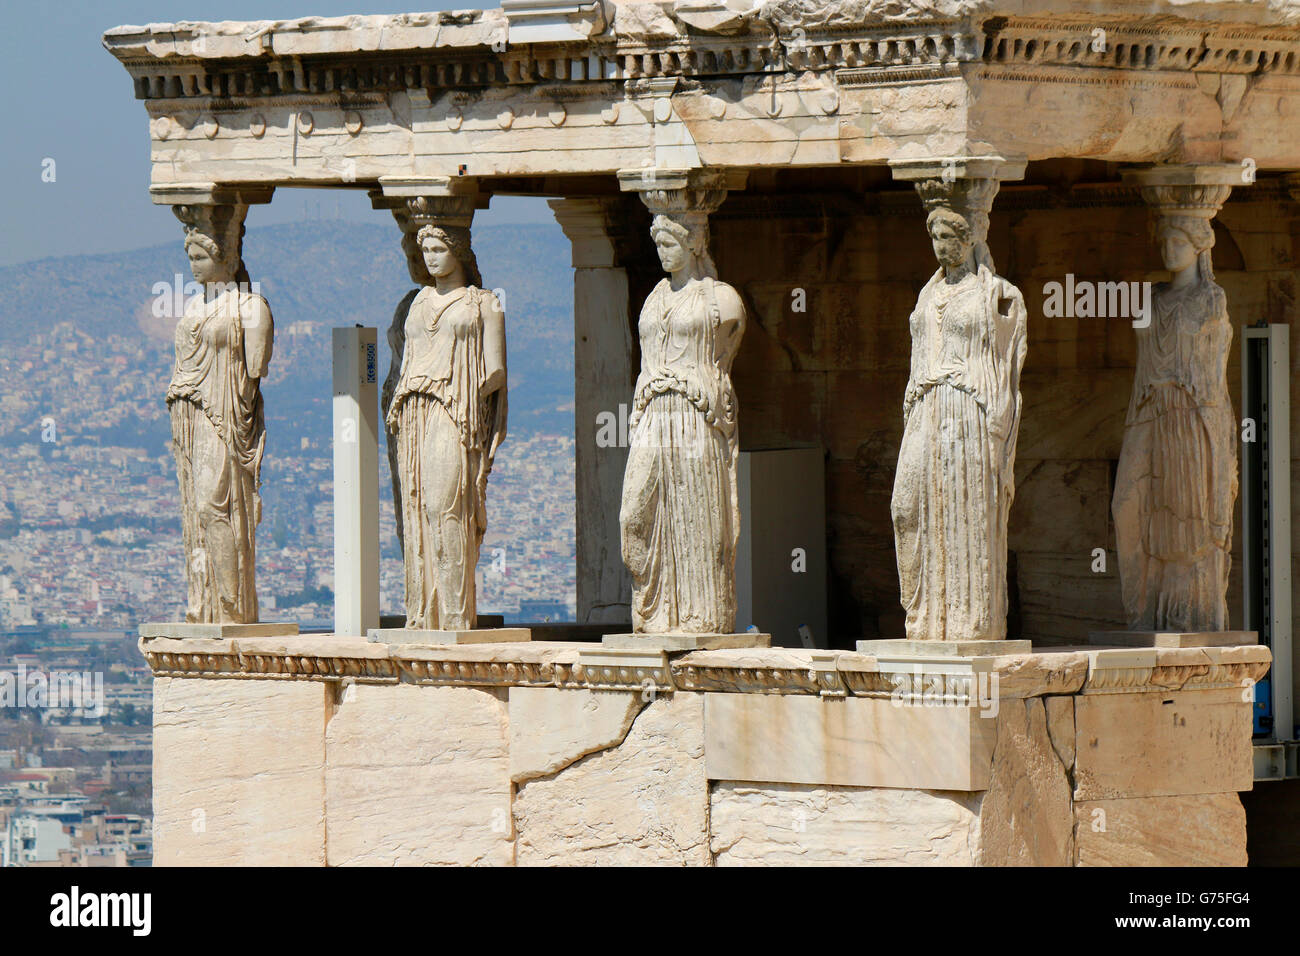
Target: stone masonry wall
497 755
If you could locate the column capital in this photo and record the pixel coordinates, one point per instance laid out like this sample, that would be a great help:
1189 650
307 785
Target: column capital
593 229
1195 190
408 187
949 169
209 194
965 185
1186 174
221 223
418 201
679 192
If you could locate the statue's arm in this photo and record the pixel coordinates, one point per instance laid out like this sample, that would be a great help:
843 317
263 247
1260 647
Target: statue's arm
909 394
494 345
1013 322
258 330
731 318
1209 372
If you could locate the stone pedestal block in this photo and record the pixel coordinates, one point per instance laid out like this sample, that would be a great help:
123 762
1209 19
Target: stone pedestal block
183 630
238 770
1162 744
487 635
908 648
1173 638
1207 829
645 802
685 642
849 741
417 775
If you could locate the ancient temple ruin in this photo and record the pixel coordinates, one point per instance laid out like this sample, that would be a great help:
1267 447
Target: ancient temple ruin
812 142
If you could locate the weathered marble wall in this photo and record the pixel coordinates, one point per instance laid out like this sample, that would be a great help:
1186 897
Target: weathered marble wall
331 751
835 374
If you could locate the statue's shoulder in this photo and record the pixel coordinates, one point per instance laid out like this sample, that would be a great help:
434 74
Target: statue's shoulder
927 290
254 303
729 301
487 299
1007 290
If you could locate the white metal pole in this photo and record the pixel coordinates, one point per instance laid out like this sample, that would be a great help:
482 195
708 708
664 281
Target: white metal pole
356 481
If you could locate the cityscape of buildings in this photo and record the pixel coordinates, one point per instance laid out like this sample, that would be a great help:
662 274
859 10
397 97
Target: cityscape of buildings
90 547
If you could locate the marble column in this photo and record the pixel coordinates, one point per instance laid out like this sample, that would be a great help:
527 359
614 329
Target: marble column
955 482
223 349
415 203
603 378
679 517
1176 484
445 409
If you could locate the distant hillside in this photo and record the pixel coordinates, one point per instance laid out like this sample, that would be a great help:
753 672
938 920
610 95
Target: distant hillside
332 272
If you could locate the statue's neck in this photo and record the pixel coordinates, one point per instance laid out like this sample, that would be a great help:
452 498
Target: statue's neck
954 274
1185 277
213 290
682 277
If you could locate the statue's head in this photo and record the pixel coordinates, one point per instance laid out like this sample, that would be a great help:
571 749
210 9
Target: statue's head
446 251
1183 240
214 241
682 241
206 259
951 236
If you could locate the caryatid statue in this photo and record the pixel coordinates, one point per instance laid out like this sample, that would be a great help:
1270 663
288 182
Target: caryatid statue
1177 478
223 348
446 419
961 417
680 514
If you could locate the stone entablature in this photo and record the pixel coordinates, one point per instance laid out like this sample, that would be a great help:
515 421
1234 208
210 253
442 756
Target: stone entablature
348 100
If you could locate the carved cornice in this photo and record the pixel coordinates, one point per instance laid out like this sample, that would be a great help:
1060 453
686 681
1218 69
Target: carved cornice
478 673
1163 46
329 658
1204 676
735 678
597 668
280 665
951 681
230 66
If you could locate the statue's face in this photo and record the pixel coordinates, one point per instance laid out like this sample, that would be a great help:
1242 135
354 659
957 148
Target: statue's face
204 267
1176 251
672 255
949 248
438 258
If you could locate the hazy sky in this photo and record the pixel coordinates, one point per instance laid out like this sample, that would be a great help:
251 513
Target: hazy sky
70 100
